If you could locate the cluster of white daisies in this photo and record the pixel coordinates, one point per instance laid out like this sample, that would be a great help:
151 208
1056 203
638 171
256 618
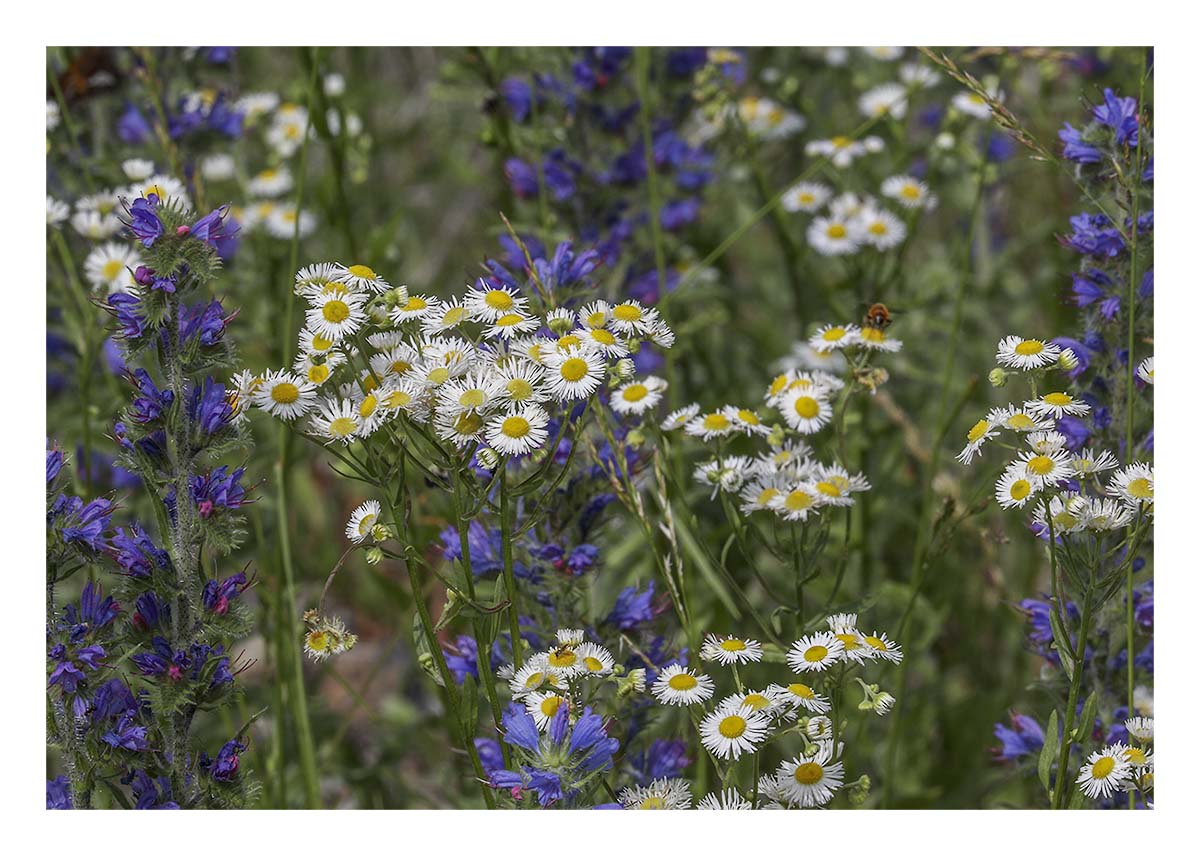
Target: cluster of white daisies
1121 766
552 678
743 722
785 478
97 217
483 368
852 221
1047 462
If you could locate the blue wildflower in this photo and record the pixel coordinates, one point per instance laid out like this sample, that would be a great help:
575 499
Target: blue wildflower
58 793
144 222
136 553
1120 114
633 608
1024 738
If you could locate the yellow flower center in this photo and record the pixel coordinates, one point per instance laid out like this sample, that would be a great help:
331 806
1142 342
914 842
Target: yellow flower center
873 334
397 398
468 423
343 426
573 370
767 495
604 337
519 389
1020 422
635 392
561 660
1020 489
829 488
1141 488
399 367
1029 348
597 319
1057 399
807 407
652 804
801 690
835 230
978 430
798 500
1103 767
516 427
627 312
716 422
512 319
593 665
809 773
471 398
778 385
682 682
849 640
841 142
733 645
534 680
756 701
910 191
317 640
111 268
875 642
816 653
285 393
367 406
439 375
570 340
453 316
499 299
414 304
878 228
1135 756
1039 465
319 373
549 705
320 343
749 417
361 271
833 334
335 311
732 727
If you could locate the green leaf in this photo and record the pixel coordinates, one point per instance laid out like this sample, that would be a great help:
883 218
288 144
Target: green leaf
1049 751
468 708
424 655
1062 641
1087 720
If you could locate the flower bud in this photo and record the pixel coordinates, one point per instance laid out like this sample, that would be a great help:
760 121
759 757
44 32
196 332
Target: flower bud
374 555
998 377
1067 361
487 458
625 368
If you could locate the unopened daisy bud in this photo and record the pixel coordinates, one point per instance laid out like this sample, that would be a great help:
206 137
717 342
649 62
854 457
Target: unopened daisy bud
560 321
634 682
998 377
944 141
381 533
635 439
487 458
625 368
395 297
859 790
777 436
374 555
1067 361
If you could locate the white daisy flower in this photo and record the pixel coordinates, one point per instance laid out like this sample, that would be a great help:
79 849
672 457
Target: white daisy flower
886 99
811 781
806 411
317 279
487 303
444 317
252 105
1016 487
832 337
631 318
980 433
1026 354
660 794
1145 370
1057 405
95 226
1141 728
363 278
679 418
915 74
1068 513
727 800
595 659
876 339
769 120
283 222
880 229
819 728
110 267
595 314
476 392
218 167
285 394
799 501
534 674
602 340
1043 470
362 521
518 432
1018 419
287 130
757 494
574 374
336 314
1045 442
815 652
975 105
336 420
770 701
908 191
729 734
572 636
832 236
241 394
835 484
542 706
730 650
56 211
318 368
416 306
314 343
512 324
461 429
802 696
1105 515
747 421
1133 485
636 397
807 196
271 182
165 187
1105 771
884 648
680 686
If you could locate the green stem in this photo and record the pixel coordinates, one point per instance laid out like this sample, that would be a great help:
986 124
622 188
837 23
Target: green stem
510 580
1062 785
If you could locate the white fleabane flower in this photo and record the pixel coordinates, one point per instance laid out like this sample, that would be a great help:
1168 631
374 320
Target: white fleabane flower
678 685
56 211
730 733
110 266
975 105
1026 354
636 397
1043 469
336 420
681 417
1145 370
1105 771
797 502
980 433
811 781
542 706
806 196
1087 462
730 650
574 373
880 229
910 192
832 337
336 314
660 794
1140 728
271 182
815 652
806 410
1015 487
1133 485
518 432
800 695
1057 405
727 800
362 521
285 394
887 99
